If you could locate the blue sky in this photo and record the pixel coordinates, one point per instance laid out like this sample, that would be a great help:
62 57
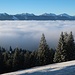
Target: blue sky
37 6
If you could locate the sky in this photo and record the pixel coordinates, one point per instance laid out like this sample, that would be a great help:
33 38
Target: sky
37 6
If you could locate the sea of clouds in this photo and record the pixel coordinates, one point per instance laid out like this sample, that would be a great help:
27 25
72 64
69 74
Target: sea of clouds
27 34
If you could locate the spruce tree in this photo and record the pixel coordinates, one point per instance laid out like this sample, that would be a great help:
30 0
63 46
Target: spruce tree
5 57
70 46
43 52
27 59
1 62
10 50
33 59
60 54
16 57
66 48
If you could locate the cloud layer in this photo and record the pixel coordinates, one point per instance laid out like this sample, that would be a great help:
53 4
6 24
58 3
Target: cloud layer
27 34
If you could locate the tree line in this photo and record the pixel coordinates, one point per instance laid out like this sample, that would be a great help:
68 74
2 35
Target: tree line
17 59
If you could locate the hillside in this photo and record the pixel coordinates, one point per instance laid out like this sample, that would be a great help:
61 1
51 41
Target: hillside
64 68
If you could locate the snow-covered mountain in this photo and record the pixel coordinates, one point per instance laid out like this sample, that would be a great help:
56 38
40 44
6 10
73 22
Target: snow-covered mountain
46 14
3 14
64 68
15 18
64 14
27 16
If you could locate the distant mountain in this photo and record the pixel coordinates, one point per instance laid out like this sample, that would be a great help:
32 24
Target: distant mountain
14 18
45 16
26 14
64 14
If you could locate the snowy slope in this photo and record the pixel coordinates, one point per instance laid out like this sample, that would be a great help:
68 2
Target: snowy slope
15 18
65 68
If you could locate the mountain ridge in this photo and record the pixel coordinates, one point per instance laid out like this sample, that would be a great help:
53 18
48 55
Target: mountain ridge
28 16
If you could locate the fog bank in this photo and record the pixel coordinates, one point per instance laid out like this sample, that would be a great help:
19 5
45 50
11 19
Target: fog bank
27 34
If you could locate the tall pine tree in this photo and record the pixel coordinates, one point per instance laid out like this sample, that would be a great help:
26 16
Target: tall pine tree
66 48
43 52
70 47
16 59
60 54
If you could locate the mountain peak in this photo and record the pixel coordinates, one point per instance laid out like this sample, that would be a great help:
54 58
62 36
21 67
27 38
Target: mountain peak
64 14
3 14
48 14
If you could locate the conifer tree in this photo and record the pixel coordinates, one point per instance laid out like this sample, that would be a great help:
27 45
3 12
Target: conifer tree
16 59
10 50
43 52
66 48
70 46
60 54
27 59
5 57
1 62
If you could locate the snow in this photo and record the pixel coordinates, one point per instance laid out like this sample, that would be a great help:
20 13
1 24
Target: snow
64 68
14 18
64 14
49 14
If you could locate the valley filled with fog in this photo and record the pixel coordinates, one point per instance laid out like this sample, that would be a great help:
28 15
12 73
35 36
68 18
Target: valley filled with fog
27 34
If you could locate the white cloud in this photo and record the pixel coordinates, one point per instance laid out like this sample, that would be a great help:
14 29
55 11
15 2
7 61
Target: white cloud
23 33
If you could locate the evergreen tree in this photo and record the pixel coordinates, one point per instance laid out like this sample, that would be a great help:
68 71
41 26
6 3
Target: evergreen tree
1 62
21 59
43 52
33 59
60 54
9 65
10 50
51 53
70 46
27 60
5 57
66 48
16 57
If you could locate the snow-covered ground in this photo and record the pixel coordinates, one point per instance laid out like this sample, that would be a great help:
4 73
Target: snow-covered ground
64 68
